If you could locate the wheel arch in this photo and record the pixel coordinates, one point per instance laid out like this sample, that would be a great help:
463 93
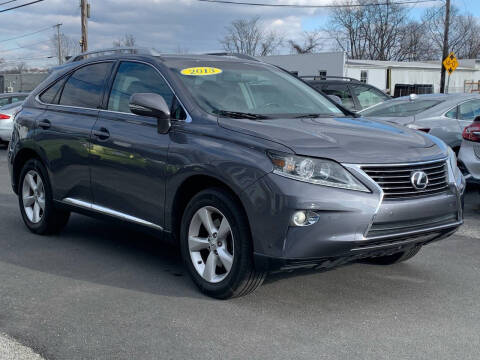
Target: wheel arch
19 161
187 190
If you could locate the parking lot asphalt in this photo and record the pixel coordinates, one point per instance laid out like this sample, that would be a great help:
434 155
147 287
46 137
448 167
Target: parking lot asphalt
102 291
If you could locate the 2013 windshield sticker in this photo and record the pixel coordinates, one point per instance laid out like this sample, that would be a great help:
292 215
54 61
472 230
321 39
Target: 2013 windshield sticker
201 71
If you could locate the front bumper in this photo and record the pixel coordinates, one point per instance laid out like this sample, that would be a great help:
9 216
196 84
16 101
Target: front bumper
352 225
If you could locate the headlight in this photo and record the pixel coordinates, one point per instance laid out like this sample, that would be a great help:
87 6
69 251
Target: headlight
314 171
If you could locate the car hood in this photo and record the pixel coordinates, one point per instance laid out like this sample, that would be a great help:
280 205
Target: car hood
405 120
346 140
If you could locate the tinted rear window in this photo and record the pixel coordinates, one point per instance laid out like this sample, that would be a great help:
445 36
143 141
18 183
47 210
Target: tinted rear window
85 86
400 108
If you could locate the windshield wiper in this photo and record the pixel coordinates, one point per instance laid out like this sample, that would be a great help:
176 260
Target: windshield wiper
314 116
240 115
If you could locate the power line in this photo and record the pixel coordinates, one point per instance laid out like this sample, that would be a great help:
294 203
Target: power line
26 59
20 6
8 2
404 2
27 34
23 47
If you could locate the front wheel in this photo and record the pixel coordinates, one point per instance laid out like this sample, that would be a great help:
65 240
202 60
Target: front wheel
216 246
395 258
36 203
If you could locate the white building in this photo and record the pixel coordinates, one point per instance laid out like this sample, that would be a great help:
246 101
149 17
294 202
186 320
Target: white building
382 74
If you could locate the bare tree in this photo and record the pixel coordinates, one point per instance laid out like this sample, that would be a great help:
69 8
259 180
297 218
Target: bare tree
126 41
414 45
311 42
463 35
21 67
250 37
69 46
375 32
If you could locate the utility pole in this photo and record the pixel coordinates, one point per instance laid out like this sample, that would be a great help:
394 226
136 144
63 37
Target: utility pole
85 11
445 44
59 44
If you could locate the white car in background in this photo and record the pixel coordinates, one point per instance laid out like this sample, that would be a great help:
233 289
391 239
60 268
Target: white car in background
7 114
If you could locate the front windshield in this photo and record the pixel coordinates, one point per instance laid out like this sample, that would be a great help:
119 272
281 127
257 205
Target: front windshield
253 89
397 108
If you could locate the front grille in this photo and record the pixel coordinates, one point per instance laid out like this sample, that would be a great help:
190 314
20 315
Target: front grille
395 179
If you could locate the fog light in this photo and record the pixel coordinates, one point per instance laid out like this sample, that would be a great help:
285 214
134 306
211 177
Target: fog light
304 218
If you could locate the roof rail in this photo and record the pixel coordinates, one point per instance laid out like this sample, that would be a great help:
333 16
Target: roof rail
120 50
325 77
237 55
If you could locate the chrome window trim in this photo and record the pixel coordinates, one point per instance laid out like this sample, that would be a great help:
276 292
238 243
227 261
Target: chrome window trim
110 212
457 106
37 98
464 102
68 74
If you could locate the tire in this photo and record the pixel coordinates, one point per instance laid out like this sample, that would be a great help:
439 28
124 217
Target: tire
394 258
234 246
49 219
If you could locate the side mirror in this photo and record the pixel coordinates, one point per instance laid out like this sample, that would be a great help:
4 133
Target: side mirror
336 99
477 119
154 105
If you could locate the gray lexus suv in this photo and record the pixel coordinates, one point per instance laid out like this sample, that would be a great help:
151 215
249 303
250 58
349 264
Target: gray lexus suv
246 167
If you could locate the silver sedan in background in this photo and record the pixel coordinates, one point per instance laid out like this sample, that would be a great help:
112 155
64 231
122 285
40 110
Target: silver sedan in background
442 115
7 114
469 155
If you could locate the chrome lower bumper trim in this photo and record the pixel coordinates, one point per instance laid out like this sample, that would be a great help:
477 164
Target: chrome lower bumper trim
415 232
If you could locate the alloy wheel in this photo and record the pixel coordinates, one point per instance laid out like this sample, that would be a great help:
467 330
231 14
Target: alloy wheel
33 196
210 242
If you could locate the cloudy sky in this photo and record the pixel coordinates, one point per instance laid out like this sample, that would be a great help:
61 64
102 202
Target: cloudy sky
167 25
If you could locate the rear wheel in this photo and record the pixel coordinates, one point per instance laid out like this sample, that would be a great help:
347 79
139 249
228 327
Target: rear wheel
216 246
36 203
395 258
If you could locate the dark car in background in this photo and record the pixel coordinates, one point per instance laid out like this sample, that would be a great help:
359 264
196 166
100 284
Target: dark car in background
355 95
242 164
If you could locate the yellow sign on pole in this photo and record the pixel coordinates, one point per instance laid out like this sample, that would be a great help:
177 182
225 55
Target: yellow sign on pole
450 63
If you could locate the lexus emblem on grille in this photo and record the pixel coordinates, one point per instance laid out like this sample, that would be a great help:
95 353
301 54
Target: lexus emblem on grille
419 180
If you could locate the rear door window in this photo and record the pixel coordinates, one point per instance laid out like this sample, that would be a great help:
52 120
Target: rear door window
134 78
469 110
52 94
342 91
84 88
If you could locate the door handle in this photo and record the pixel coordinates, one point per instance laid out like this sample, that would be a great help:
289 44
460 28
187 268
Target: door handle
44 124
102 133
